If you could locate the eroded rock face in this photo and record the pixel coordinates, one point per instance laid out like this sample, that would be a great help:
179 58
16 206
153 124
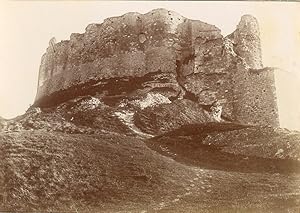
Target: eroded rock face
165 53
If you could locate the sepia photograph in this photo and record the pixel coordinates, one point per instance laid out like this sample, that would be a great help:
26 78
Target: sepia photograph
149 106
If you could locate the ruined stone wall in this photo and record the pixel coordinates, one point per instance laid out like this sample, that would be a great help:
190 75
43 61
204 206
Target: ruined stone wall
214 68
130 45
255 97
188 57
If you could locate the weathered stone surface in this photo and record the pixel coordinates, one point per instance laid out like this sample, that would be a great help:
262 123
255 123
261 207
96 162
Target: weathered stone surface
114 49
247 40
163 52
254 91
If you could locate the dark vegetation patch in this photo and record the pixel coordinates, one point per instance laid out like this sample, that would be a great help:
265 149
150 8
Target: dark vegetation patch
196 145
191 151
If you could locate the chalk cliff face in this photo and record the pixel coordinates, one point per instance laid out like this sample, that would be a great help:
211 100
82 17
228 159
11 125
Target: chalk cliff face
163 53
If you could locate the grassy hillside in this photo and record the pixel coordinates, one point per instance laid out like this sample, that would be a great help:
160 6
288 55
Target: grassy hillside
57 171
111 172
86 156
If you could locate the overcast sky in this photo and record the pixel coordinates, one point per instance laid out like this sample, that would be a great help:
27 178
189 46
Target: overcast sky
27 26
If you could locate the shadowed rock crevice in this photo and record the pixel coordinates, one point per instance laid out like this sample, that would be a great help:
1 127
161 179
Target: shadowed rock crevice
112 88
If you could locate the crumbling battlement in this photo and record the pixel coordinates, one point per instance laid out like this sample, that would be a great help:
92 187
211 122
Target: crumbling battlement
195 60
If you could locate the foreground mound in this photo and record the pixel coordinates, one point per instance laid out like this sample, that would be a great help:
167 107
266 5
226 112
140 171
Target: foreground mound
47 171
93 166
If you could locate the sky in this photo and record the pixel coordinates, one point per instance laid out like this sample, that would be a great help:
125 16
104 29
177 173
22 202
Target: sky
27 26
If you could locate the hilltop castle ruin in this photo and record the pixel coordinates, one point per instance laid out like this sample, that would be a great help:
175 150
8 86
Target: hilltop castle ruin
166 53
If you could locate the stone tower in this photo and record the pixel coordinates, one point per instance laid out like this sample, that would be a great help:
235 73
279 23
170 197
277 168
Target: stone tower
247 40
254 86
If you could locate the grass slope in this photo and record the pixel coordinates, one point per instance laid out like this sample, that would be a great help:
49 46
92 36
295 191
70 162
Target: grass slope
57 171
80 157
53 171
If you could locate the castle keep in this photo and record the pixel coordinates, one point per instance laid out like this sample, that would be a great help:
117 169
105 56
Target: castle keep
165 53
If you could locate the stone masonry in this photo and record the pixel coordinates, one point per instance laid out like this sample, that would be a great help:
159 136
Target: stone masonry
188 57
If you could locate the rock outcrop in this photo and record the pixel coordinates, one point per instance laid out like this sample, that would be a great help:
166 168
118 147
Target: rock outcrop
163 52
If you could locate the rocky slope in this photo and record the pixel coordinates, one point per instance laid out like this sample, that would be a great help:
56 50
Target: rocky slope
84 155
148 142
